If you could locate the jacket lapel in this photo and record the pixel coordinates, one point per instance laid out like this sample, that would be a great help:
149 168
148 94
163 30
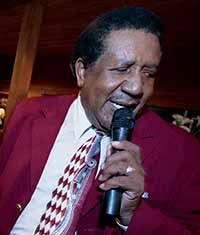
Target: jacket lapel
44 131
43 136
144 135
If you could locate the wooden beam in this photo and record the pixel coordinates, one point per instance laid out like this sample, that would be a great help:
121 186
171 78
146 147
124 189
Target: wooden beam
25 55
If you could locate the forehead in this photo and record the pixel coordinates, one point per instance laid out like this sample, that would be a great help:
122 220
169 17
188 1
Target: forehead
132 45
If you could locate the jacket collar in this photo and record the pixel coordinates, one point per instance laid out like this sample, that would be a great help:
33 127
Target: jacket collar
44 131
144 134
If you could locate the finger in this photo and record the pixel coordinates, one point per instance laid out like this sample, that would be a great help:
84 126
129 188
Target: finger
109 184
118 168
132 184
123 156
121 159
109 150
128 146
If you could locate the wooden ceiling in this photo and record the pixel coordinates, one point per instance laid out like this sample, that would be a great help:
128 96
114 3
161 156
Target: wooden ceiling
65 19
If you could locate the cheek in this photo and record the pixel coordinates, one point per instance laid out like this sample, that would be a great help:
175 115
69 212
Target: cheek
148 88
101 92
92 91
97 98
104 115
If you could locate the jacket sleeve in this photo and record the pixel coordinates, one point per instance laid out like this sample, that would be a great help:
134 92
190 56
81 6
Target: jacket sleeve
183 213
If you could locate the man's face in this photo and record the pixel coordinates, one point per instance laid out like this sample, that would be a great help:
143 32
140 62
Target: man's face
123 76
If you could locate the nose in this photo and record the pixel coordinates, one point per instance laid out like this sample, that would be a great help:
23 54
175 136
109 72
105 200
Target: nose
132 85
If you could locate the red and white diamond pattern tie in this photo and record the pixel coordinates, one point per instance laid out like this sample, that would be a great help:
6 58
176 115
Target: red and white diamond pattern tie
56 207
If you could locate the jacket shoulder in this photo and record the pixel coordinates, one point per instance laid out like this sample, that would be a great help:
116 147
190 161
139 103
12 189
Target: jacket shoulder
42 103
172 138
26 112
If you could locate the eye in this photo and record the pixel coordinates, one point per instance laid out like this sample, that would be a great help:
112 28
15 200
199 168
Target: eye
124 69
149 74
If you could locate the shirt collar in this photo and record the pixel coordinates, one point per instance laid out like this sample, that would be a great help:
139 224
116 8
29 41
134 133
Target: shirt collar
80 121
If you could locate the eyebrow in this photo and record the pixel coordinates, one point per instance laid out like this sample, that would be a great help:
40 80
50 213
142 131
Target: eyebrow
151 66
127 64
130 63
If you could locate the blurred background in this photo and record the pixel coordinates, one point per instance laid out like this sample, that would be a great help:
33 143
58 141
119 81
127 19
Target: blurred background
37 37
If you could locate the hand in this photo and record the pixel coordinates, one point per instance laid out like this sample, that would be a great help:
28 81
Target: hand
115 175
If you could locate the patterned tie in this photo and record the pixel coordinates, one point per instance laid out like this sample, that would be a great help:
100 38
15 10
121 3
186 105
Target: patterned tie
56 207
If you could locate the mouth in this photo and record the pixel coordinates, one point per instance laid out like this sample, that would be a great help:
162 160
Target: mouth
118 106
121 104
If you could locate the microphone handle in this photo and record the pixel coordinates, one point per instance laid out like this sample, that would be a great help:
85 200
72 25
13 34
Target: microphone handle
112 202
112 197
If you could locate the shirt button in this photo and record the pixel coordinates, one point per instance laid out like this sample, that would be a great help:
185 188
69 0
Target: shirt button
19 207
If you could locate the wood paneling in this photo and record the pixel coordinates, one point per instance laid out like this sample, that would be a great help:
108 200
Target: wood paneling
25 56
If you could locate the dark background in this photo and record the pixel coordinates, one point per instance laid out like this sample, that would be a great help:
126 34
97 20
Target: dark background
178 83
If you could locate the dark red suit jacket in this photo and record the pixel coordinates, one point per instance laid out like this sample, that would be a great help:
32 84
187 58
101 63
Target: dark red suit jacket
170 157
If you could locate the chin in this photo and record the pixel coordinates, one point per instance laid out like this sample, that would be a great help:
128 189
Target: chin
105 119
105 126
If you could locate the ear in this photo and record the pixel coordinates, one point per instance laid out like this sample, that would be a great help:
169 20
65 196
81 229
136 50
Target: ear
80 72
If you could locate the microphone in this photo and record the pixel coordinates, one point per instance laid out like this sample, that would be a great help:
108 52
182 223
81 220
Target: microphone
122 124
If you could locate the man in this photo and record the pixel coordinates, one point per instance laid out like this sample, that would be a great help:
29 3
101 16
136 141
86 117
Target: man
115 62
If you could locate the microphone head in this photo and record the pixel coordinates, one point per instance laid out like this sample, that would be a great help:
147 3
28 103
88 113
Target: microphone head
123 117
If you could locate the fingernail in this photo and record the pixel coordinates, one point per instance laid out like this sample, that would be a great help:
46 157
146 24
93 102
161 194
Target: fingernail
100 177
115 142
101 186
